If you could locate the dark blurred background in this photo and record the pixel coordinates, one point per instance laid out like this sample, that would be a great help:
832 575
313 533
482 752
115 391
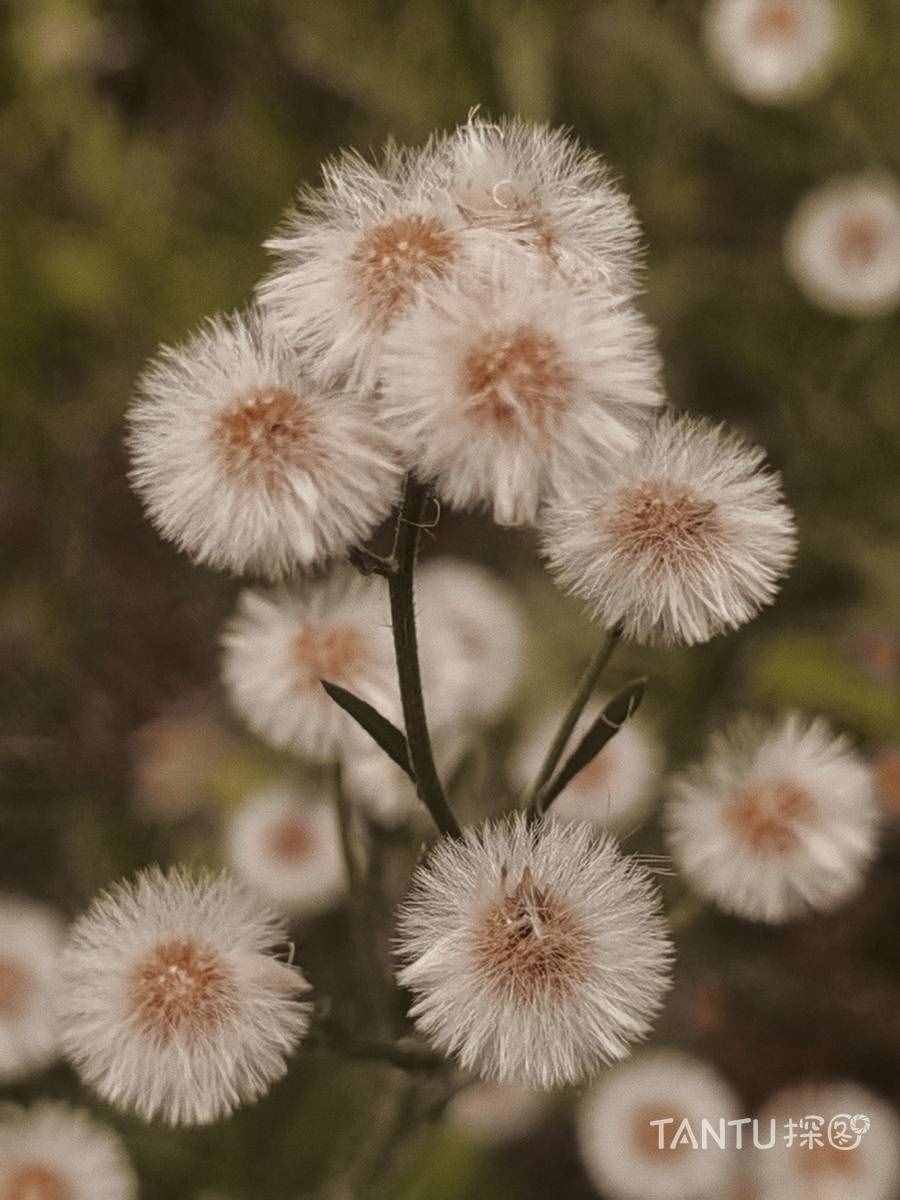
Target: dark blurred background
146 149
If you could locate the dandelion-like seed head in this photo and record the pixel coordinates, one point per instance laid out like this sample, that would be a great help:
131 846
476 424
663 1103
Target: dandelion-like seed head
31 935
504 375
287 847
173 1005
390 260
683 539
842 245
516 378
52 1152
181 987
621 1147
246 464
776 820
281 644
772 51
535 952
541 191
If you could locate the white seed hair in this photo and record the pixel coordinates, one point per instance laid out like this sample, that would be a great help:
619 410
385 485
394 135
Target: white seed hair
287 847
619 1147
842 245
172 1004
772 51
867 1171
31 937
617 788
502 377
353 255
280 645
60 1152
535 953
539 187
480 663
245 464
685 538
776 820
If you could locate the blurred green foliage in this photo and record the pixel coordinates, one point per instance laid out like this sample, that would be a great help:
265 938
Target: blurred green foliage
146 149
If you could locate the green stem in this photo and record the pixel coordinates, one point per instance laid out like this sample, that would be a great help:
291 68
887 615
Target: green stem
403 618
586 687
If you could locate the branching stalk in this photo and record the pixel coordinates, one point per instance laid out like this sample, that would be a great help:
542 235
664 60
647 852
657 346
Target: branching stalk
403 618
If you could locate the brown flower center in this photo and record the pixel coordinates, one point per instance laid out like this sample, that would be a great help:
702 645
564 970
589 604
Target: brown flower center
392 259
516 381
336 653
858 240
767 816
34 1181
530 944
664 525
181 987
824 1159
597 772
776 22
266 432
290 840
14 987
645 1137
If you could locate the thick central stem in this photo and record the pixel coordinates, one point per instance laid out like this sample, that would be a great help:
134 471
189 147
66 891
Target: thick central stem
403 618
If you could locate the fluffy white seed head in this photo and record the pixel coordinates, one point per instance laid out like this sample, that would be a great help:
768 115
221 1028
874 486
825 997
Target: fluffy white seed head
536 186
492 1114
772 51
245 464
353 256
172 1004
386 793
776 820
31 937
687 537
535 953
502 377
843 246
288 849
480 662
620 1148
615 790
281 644
53 1152
857 1152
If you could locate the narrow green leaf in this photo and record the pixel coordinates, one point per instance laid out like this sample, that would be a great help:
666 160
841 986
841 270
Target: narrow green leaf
379 728
605 727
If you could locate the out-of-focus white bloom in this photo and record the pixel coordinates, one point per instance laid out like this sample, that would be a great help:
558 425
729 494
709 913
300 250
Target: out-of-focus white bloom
503 377
281 644
385 792
539 187
53 1152
482 657
776 820
245 464
615 790
843 245
772 51
354 255
31 937
494 1113
620 1147
535 953
172 1004
175 758
289 850
688 537
856 1152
